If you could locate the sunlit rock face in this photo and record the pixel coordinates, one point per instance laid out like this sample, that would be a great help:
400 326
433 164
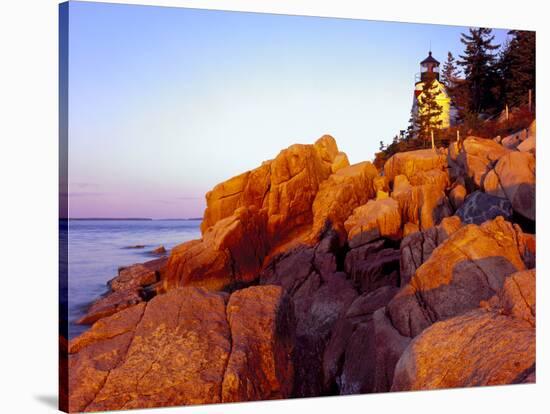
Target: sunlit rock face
188 346
284 187
375 219
412 163
315 277
513 178
474 349
476 158
468 267
339 195
492 345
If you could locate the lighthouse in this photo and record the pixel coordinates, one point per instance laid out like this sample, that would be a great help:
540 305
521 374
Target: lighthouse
429 71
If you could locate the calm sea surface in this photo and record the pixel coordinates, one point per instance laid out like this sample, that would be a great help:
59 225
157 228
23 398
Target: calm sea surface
96 249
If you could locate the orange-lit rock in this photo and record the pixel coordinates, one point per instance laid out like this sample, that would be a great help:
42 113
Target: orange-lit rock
375 219
381 184
413 162
478 207
340 161
112 303
247 189
438 178
514 178
230 252
138 275
458 194
477 157
410 228
530 144
467 268
184 347
132 285
424 205
518 296
284 187
262 327
171 351
474 349
339 195
296 175
417 247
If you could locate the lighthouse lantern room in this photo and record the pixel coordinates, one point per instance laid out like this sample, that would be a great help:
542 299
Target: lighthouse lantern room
429 68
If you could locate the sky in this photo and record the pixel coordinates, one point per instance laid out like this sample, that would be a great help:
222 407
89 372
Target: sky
165 103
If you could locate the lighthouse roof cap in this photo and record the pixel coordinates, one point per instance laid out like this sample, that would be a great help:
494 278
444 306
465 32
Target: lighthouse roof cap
430 59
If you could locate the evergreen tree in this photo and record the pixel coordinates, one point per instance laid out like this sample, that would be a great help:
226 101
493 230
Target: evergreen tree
429 111
517 68
479 68
449 75
410 131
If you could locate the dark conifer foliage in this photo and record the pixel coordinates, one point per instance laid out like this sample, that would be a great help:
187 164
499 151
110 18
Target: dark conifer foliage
517 69
478 65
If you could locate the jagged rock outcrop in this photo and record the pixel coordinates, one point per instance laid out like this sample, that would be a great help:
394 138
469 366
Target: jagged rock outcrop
458 193
339 195
284 187
348 362
261 320
373 265
320 295
184 347
514 178
172 350
469 267
490 346
132 285
517 297
412 163
424 205
375 219
417 247
477 348
339 162
474 159
229 253
480 207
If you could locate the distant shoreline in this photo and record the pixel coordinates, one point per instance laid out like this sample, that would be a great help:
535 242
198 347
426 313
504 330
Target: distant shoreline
129 219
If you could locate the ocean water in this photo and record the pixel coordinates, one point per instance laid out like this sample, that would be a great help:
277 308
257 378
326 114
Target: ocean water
97 248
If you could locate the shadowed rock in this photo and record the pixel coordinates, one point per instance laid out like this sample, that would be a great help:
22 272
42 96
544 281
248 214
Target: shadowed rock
480 207
349 362
467 268
320 295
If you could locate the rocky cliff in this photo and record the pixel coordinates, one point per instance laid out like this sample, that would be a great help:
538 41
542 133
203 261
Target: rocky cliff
316 277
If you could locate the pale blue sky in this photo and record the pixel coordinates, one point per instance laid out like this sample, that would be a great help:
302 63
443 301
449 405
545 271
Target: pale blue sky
164 103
